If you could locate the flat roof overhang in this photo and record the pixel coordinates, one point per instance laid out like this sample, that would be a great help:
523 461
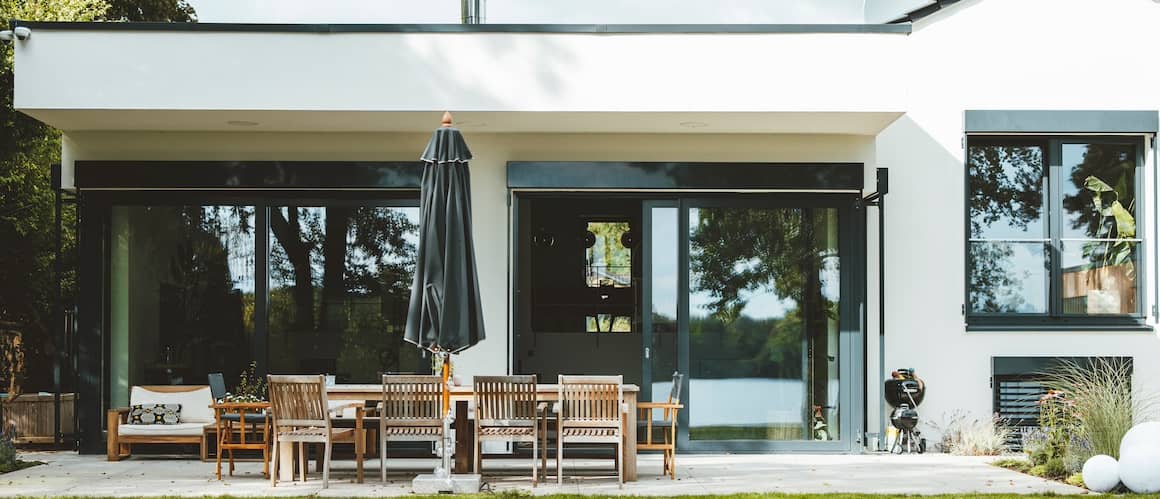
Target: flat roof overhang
795 122
100 77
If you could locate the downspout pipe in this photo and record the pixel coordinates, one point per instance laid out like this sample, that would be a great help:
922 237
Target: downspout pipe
1156 229
879 199
471 11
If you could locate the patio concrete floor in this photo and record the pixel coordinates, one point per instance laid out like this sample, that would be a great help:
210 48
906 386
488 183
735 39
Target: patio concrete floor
69 474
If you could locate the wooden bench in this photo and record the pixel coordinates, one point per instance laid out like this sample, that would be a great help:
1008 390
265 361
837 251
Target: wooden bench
196 416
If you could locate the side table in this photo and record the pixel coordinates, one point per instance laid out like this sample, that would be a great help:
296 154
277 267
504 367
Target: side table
236 433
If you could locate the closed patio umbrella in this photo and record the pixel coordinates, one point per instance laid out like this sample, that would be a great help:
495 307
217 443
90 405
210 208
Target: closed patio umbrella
445 315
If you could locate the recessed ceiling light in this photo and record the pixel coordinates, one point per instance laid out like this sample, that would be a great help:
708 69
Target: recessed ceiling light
241 123
694 124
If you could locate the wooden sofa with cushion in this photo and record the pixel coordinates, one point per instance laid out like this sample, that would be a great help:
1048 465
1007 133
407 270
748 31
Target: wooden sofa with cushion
196 414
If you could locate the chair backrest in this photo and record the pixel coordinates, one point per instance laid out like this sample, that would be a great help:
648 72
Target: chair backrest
505 400
217 385
675 391
591 400
298 400
412 400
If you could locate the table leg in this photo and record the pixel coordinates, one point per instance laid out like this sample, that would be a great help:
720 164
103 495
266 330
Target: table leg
464 443
286 461
629 457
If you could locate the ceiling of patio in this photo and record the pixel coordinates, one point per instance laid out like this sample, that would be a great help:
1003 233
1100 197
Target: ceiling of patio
856 123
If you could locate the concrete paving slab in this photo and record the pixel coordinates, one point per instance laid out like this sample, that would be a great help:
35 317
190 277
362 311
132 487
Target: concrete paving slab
74 475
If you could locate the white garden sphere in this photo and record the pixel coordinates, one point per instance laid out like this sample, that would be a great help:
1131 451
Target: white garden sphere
1101 473
1140 469
1142 435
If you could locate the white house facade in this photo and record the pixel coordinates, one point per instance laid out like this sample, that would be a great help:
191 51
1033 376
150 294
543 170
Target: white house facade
967 189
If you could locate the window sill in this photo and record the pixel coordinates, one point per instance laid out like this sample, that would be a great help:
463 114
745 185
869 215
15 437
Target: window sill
1059 328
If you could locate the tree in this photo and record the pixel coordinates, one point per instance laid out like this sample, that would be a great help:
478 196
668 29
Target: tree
170 11
27 148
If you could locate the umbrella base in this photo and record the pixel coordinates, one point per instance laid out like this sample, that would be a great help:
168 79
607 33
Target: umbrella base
455 484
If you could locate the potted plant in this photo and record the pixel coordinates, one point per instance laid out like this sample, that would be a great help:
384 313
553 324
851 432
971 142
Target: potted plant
251 388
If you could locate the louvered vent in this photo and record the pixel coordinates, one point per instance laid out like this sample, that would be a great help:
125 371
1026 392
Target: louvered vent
1016 400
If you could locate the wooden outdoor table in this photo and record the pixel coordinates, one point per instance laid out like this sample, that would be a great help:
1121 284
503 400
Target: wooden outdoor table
464 441
225 432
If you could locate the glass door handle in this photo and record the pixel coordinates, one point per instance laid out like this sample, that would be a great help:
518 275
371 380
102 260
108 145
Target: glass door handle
646 352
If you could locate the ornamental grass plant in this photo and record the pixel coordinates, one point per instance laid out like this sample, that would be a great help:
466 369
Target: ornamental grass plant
1101 403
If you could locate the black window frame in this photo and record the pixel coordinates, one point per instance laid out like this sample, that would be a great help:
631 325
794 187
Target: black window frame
1054 318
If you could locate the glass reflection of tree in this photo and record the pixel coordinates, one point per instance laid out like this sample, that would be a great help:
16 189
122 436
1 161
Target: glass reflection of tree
1005 192
741 251
211 313
351 269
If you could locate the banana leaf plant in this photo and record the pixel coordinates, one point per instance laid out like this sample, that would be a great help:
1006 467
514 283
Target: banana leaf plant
1117 249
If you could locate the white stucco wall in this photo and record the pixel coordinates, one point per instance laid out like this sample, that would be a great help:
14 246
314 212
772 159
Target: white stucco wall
1032 54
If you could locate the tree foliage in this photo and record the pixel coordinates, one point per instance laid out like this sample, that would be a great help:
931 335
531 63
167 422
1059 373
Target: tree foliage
172 11
27 148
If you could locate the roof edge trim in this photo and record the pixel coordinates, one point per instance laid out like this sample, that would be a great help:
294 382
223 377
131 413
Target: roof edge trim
474 28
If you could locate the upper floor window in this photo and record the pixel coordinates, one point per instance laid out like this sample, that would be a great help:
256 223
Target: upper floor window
1052 235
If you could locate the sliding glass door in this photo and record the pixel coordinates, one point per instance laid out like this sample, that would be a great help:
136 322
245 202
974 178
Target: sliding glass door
753 299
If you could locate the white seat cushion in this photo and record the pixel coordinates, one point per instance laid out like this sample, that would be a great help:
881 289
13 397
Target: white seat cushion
194 403
162 430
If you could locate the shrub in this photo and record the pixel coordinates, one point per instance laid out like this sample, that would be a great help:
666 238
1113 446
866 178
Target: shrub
1101 401
973 437
8 459
1075 480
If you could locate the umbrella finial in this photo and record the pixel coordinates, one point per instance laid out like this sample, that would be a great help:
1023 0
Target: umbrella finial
446 119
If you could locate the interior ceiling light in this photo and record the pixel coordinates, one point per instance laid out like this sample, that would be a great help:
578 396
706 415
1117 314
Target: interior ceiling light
241 123
694 124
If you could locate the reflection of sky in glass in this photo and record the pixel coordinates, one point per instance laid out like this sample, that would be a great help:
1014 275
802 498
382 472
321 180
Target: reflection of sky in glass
238 243
759 304
1004 227
1026 268
664 262
356 256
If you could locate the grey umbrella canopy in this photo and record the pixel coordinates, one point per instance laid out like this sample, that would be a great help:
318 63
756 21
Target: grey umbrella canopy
445 312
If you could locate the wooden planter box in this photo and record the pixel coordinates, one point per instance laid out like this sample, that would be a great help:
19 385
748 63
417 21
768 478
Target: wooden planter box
32 415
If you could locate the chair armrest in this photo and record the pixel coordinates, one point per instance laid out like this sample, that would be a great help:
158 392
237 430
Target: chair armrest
348 405
658 405
120 415
556 407
541 407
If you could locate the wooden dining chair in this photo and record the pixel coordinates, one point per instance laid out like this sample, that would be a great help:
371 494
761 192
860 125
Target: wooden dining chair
301 414
667 424
590 409
411 411
507 409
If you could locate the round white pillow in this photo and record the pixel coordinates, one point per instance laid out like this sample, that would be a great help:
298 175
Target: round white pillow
1101 473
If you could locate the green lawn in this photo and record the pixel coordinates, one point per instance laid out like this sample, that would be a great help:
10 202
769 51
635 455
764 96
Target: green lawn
522 495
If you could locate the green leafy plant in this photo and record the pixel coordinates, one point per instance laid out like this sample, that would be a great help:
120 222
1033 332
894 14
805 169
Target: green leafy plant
1117 249
250 388
1101 403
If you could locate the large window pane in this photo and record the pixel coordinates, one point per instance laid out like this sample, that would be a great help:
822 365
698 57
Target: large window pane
1006 191
1099 277
764 294
181 301
1099 191
1008 277
340 280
